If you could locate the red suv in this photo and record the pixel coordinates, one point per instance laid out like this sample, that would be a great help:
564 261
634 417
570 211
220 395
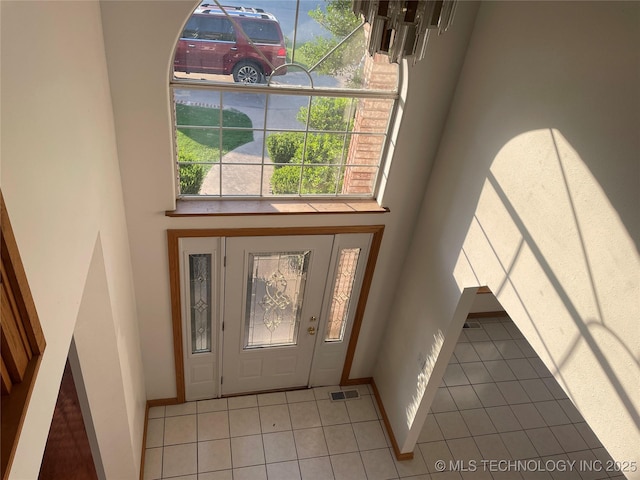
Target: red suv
245 42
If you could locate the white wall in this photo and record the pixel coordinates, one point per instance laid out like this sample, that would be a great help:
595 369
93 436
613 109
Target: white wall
139 44
486 302
100 363
534 193
61 183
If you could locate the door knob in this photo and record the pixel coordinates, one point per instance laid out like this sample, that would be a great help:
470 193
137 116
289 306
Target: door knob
311 330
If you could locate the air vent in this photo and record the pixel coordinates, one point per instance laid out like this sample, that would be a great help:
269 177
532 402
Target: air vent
471 325
344 395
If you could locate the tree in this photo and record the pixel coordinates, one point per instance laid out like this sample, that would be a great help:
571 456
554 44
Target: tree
339 18
340 21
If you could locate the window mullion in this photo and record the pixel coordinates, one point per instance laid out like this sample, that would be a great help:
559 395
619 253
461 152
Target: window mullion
221 102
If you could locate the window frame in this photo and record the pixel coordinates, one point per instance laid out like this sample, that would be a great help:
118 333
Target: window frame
312 91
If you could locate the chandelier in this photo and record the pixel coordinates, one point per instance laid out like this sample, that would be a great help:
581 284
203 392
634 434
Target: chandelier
400 28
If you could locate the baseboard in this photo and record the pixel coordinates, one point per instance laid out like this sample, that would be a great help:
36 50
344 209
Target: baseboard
357 381
369 380
159 402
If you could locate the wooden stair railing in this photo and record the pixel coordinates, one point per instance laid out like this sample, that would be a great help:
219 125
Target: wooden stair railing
22 342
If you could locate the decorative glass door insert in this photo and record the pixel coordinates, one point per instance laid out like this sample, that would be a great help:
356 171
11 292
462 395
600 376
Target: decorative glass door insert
275 289
200 301
342 293
200 307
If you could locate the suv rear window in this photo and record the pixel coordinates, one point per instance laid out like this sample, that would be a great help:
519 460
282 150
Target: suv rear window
261 31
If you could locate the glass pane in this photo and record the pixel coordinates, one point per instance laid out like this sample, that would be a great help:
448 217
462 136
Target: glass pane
197 96
323 180
283 112
200 302
285 180
198 134
275 291
359 180
198 144
241 179
334 60
372 115
294 76
342 290
198 178
230 43
246 109
330 113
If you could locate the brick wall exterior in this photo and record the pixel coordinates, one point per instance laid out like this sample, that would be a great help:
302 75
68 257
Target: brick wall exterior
372 115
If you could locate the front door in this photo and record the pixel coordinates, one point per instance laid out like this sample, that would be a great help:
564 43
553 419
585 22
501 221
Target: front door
274 289
265 312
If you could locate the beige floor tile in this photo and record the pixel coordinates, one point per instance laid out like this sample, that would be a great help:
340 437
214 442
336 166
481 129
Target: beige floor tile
213 425
310 442
275 418
279 447
179 460
214 455
340 439
378 464
247 451
348 466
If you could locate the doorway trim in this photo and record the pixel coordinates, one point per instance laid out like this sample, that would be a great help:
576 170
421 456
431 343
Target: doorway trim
174 235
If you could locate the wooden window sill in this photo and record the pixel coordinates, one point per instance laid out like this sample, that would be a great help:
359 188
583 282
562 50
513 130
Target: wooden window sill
207 208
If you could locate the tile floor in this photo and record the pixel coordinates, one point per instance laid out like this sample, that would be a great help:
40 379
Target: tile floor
498 402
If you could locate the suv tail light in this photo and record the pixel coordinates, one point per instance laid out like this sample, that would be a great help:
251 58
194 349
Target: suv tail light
282 52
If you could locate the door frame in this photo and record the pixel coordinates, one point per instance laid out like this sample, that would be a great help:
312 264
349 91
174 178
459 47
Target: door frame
174 235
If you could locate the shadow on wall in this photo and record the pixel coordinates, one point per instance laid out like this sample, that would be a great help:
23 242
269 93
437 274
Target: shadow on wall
553 242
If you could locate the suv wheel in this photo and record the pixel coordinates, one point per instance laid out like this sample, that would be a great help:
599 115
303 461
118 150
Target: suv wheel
247 72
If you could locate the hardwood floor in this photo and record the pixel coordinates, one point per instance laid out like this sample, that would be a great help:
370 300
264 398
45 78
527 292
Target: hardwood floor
67 454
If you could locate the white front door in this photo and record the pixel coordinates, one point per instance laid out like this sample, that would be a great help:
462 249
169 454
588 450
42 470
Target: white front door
279 315
274 289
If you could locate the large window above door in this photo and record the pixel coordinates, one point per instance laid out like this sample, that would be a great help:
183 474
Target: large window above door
279 99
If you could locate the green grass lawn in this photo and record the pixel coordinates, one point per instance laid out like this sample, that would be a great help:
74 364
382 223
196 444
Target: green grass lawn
203 145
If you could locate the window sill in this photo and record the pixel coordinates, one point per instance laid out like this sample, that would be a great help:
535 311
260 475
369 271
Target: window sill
208 208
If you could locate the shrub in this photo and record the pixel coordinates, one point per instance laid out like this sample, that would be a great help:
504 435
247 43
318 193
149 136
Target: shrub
320 180
323 148
191 175
320 148
326 114
285 180
315 180
282 146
